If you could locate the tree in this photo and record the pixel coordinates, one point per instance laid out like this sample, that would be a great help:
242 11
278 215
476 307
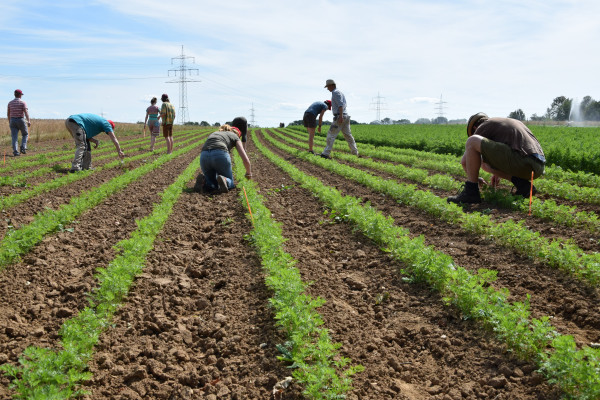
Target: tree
559 109
386 121
217 124
422 121
518 114
535 117
402 121
440 120
204 123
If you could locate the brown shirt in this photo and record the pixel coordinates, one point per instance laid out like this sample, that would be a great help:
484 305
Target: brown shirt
511 132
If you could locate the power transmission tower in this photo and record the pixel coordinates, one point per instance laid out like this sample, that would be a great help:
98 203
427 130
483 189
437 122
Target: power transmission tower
183 72
379 105
252 115
440 107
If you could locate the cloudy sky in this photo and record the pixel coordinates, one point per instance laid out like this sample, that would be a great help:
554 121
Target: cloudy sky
268 60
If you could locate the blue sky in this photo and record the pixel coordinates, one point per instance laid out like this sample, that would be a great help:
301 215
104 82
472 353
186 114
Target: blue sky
110 57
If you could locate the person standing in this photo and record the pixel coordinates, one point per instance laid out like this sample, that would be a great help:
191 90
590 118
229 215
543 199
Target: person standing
167 113
341 120
242 124
310 120
18 120
215 160
83 128
505 148
153 120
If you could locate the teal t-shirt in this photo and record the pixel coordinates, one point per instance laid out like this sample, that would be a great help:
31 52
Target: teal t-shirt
92 124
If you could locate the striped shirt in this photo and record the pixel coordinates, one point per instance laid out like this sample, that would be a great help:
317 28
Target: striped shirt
167 111
17 108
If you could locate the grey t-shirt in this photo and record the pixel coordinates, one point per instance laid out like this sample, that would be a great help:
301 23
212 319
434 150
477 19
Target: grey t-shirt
223 140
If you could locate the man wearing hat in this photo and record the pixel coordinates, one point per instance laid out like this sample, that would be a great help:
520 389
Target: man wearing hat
341 121
505 148
16 114
83 128
167 114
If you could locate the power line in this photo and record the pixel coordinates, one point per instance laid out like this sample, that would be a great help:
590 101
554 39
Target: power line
379 105
252 116
440 107
183 80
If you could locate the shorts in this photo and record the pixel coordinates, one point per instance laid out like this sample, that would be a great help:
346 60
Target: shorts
310 120
168 130
154 127
501 157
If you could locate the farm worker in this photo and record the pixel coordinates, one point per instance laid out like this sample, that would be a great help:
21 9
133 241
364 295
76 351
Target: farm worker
242 124
16 113
167 113
215 160
341 120
152 119
83 128
310 119
505 148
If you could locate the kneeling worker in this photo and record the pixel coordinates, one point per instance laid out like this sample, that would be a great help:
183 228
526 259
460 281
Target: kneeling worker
505 148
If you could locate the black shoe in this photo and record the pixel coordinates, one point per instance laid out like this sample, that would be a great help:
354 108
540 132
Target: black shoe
222 181
325 156
23 151
16 154
522 187
469 194
199 185
312 152
88 169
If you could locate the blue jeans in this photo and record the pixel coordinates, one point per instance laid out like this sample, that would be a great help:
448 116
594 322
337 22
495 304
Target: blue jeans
216 162
16 125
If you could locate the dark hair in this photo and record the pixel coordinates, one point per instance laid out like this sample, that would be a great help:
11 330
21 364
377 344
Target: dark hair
242 124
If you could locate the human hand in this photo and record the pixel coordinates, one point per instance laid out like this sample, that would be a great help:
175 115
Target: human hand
481 181
495 181
248 175
121 154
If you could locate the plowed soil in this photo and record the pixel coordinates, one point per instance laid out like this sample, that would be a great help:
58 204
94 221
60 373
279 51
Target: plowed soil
197 324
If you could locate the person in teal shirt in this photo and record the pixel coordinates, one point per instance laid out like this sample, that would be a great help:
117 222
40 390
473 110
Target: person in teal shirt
83 128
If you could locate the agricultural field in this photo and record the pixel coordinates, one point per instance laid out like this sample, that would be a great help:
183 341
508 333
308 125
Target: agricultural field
317 279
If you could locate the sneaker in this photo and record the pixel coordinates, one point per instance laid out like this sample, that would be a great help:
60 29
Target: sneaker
312 152
469 194
222 181
199 185
23 151
16 154
325 156
72 170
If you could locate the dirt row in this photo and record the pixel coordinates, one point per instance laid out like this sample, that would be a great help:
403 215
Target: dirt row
197 323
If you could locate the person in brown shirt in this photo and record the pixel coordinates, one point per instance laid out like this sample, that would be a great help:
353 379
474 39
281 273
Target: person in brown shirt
505 148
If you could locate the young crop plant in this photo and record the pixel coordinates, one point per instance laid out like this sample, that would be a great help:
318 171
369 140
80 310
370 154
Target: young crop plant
58 374
530 338
316 363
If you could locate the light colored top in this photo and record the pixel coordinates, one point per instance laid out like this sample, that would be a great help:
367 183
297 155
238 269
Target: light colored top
338 100
167 113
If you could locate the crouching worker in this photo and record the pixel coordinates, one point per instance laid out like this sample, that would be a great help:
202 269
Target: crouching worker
215 160
83 128
505 148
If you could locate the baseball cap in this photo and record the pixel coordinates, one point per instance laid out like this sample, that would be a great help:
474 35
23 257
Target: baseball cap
164 97
328 102
473 120
18 91
111 124
329 82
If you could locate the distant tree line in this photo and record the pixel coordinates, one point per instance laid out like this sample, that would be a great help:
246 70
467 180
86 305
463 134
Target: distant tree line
561 109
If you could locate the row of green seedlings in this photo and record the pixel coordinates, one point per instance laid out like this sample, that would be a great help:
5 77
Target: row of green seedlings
19 241
45 373
20 180
17 198
451 164
318 367
420 157
547 210
575 371
564 254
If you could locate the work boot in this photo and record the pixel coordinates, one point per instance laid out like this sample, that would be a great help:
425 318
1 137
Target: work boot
199 186
23 150
325 156
469 194
222 181
522 186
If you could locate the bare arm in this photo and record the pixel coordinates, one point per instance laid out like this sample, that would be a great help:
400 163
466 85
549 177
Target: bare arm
112 137
27 117
321 119
240 148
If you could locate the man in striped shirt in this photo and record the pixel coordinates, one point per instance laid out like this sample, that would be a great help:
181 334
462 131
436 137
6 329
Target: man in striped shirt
167 114
16 114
